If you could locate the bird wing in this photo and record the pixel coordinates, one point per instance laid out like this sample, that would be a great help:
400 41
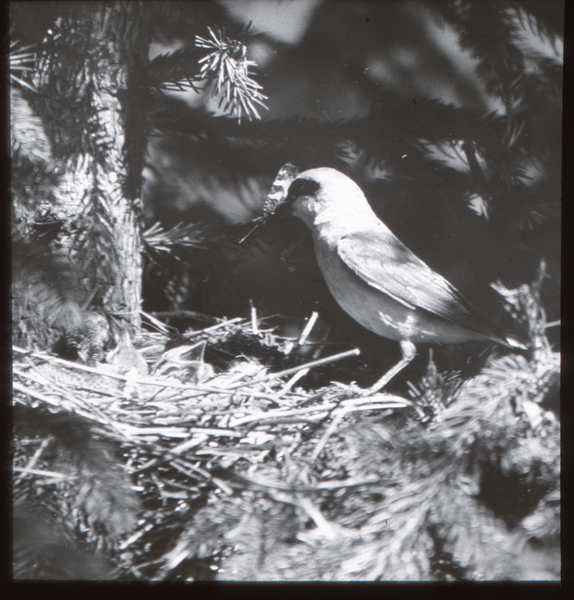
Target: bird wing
387 264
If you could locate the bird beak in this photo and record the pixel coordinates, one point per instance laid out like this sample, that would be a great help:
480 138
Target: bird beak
276 207
280 202
283 210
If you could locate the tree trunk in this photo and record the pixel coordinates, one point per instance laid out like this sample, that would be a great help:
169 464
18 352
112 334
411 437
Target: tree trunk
88 84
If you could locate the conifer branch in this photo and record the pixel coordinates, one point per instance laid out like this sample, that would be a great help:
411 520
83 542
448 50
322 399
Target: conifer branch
21 61
228 64
157 239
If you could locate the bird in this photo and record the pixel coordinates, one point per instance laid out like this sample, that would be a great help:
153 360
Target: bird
372 275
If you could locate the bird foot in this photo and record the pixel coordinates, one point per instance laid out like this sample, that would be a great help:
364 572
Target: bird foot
352 389
368 391
361 398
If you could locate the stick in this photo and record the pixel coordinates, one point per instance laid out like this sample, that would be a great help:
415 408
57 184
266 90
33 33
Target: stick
213 328
291 383
310 365
310 324
352 406
254 325
203 390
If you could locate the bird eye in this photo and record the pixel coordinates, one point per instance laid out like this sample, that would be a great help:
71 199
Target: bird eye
302 187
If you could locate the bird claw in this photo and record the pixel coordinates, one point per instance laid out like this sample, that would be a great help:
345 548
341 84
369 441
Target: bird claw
368 392
350 388
354 391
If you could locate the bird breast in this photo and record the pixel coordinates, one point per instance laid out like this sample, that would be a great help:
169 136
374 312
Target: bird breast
376 310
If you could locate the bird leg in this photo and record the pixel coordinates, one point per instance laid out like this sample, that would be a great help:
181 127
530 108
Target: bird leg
409 352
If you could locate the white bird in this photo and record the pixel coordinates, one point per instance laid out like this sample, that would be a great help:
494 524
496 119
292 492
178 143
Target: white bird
372 275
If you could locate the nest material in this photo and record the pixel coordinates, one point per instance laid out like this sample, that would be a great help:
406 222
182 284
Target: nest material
245 475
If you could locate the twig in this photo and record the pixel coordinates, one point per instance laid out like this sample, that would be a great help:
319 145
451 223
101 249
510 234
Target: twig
310 324
291 345
55 475
184 469
177 451
66 363
222 486
310 365
273 414
204 390
320 486
161 327
213 328
189 314
170 432
27 391
32 462
214 432
254 325
74 400
330 531
135 537
165 384
287 387
339 416
353 406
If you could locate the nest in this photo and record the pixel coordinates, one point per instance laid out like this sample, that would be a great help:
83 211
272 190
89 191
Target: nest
179 472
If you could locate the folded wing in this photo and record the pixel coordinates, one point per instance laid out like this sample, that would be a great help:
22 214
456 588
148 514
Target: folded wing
392 268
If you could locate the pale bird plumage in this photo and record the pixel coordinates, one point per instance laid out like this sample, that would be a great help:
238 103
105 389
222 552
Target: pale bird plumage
373 276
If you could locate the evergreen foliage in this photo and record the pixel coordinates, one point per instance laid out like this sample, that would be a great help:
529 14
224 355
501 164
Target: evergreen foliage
460 482
462 485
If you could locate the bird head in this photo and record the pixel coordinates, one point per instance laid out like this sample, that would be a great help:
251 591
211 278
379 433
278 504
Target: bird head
326 198
330 203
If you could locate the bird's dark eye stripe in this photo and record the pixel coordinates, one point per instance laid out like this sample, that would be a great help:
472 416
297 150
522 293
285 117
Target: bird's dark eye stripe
302 187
